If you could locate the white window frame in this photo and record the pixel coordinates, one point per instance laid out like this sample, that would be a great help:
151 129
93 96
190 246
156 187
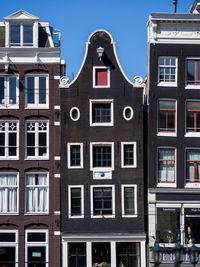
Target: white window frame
113 201
171 84
111 144
38 244
36 104
94 77
37 187
190 185
190 86
124 113
134 155
165 184
36 157
6 188
7 104
69 155
7 157
174 134
78 112
11 244
102 101
123 186
69 201
190 134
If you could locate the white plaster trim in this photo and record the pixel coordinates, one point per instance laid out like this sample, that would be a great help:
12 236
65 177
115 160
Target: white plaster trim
124 113
167 134
56 123
21 14
114 236
56 77
57 233
56 107
57 212
57 158
56 175
114 50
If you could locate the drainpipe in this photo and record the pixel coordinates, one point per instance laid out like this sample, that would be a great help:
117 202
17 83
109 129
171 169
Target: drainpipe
175 5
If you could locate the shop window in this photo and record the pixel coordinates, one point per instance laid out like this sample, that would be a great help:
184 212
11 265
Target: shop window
128 254
77 254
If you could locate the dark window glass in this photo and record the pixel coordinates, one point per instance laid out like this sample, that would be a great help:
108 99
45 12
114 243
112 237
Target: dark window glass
101 112
36 237
77 254
101 253
166 116
7 256
102 201
2 96
36 256
101 156
75 155
42 90
128 155
75 201
193 116
30 90
192 222
168 221
128 254
75 114
12 144
15 35
12 90
129 200
193 71
28 34
2 144
42 144
128 113
7 237
30 144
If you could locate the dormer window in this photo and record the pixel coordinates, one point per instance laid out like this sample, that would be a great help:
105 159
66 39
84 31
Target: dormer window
21 34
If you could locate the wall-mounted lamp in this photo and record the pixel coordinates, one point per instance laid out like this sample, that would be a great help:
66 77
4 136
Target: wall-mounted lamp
100 51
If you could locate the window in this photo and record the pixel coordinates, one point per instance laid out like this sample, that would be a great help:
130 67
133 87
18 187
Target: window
21 34
129 200
168 221
77 254
128 254
75 155
36 193
9 92
192 165
9 248
74 114
167 71
102 201
9 139
76 201
193 73
37 91
8 193
102 156
101 77
192 221
101 112
167 117
128 113
36 248
128 155
193 117
166 165
37 139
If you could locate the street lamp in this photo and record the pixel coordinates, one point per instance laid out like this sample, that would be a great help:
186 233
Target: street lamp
179 252
157 253
193 253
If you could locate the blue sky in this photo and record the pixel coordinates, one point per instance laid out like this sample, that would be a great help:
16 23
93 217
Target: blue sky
125 19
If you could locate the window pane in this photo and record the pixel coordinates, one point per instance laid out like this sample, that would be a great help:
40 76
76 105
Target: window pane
42 90
128 254
168 221
192 222
166 165
30 90
128 155
12 90
7 237
42 144
101 112
37 255
193 116
30 144
193 165
166 116
102 201
129 197
15 34
28 34
2 96
75 155
101 156
77 254
12 144
36 237
7 256
2 144
75 201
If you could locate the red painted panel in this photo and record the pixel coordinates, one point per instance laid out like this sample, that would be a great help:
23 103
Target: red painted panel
101 77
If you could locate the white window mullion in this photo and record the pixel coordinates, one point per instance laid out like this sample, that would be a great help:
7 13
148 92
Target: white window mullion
36 139
6 139
21 34
36 90
6 199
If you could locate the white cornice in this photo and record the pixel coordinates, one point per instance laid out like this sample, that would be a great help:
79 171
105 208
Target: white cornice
21 15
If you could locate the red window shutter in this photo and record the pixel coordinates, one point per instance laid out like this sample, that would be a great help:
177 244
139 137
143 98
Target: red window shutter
101 77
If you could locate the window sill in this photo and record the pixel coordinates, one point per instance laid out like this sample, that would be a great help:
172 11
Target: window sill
7 158
167 84
129 216
102 169
192 86
9 107
192 185
7 213
36 107
102 216
192 134
129 166
166 184
36 213
101 86
102 124
166 134
37 158
75 217
75 167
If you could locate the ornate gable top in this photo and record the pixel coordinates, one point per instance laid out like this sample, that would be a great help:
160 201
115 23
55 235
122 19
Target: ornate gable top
195 8
21 15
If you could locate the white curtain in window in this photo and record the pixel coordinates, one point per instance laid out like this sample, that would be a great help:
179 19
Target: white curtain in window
166 167
8 192
193 155
42 193
30 193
